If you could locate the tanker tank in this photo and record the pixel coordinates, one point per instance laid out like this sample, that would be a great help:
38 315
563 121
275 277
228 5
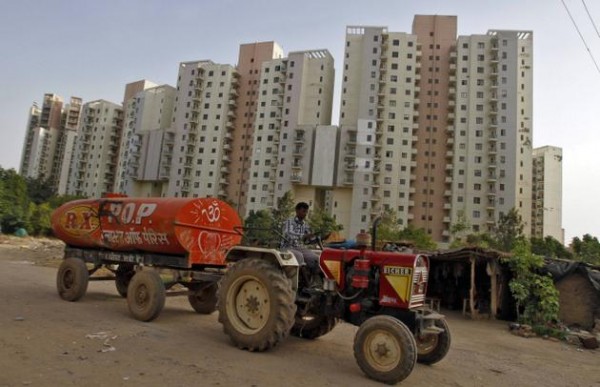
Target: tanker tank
204 229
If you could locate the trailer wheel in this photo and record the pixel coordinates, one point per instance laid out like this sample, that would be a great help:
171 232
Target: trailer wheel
72 279
385 349
123 276
146 295
256 304
432 348
204 299
311 327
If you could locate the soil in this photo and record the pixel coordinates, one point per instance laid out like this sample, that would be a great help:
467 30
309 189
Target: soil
45 341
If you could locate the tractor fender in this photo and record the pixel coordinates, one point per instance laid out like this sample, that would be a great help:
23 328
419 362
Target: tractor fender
282 259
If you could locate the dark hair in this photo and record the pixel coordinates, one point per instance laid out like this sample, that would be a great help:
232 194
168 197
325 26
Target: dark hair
302 206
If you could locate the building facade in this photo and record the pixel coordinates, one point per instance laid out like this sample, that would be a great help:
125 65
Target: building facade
295 98
546 214
435 126
95 158
203 123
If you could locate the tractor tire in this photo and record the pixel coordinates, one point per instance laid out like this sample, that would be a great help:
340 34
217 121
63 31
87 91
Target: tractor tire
72 279
204 299
146 295
123 276
311 327
433 347
385 349
256 304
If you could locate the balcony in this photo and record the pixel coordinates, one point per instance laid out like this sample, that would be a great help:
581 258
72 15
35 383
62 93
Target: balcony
295 178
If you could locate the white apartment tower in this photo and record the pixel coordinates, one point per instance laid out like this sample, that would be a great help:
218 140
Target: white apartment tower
66 144
31 153
96 152
546 215
130 114
294 99
491 143
378 126
147 143
203 122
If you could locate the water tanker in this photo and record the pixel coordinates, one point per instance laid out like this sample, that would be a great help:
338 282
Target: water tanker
202 230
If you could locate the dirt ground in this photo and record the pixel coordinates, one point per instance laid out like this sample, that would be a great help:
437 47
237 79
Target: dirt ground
45 341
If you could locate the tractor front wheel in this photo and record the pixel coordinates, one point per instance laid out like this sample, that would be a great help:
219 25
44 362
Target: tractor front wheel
385 349
256 304
433 347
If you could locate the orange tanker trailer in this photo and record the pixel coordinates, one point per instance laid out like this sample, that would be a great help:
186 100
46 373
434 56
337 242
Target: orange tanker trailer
183 240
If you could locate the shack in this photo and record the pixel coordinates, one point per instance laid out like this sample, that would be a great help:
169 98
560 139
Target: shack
578 284
474 280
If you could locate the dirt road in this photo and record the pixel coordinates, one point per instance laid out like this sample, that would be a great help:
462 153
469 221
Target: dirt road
45 341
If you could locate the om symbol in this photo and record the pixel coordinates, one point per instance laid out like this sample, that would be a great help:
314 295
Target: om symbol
213 213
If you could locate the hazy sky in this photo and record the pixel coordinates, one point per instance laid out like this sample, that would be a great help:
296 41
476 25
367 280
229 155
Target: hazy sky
91 49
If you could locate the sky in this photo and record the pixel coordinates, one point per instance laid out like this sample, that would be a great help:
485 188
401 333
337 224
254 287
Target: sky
92 49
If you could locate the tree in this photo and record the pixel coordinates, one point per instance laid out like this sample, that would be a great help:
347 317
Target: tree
39 190
549 247
259 229
419 237
284 209
483 240
39 219
388 228
535 294
587 249
14 201
459 229
508 231
323 224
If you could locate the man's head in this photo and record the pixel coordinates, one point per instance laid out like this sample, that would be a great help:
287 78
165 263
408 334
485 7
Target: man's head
301 210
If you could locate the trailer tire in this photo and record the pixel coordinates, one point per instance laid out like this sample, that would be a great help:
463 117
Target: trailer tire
204 299
385 349
313 328
72 279
123 276
256 304
146 295
433 347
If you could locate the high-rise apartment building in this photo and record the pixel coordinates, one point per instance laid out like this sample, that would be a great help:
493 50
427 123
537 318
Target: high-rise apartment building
131 122
491 140
149 142
546 215
31 153
49 139
203 122
433 126
294 99
249 70
66 145
95 158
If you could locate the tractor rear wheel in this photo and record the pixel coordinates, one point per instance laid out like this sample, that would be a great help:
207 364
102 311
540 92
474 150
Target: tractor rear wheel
256 304
72 279
204 299
311 327
431 348
146 295
385 349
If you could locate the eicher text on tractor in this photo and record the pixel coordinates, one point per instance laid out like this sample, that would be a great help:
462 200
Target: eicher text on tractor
159 247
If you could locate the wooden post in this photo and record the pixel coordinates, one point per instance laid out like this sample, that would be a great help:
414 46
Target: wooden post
472 290
494 290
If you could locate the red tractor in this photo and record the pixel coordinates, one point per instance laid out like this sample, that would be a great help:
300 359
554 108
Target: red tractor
155 246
